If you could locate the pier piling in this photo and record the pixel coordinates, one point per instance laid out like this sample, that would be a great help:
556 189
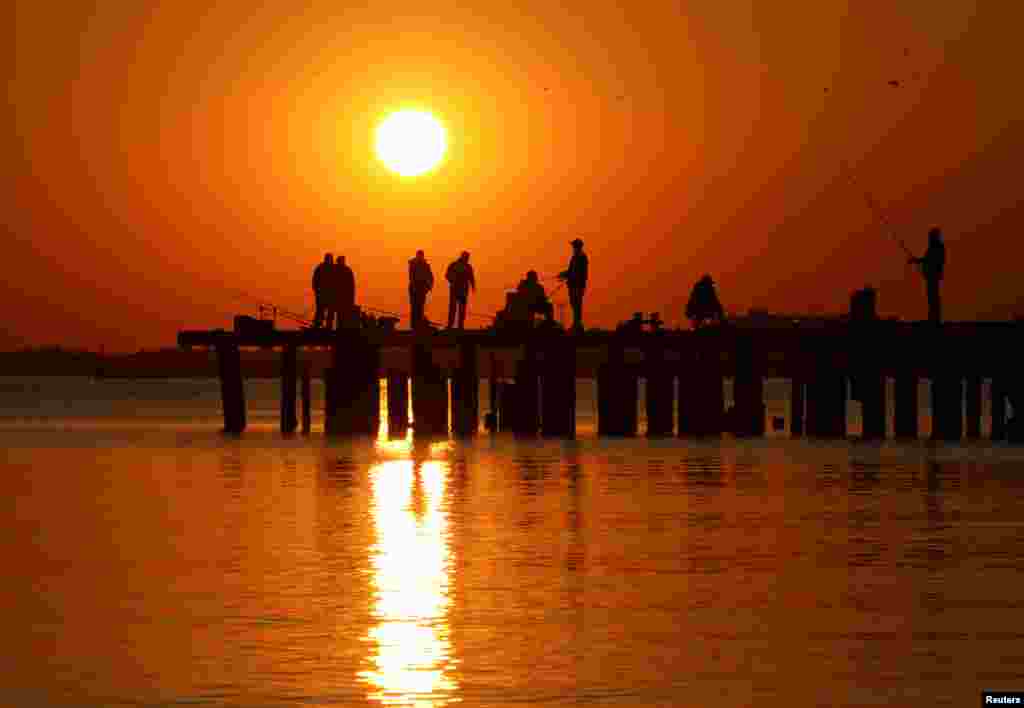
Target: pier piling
999 391
972 407
905 424
429 394
352 386
659 384
398 403
307 400
525 406
232 388
466 393
289 379
558 389
748 392
796 407
947 406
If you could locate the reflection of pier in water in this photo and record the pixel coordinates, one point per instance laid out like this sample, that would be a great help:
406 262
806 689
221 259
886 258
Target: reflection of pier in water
826 365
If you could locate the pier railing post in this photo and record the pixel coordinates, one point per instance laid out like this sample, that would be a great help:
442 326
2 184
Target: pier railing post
289 376
232 387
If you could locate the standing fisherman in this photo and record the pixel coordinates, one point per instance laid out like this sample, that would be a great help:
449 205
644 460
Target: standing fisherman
345 292
575 277
460 277
932 263
322 277
421 282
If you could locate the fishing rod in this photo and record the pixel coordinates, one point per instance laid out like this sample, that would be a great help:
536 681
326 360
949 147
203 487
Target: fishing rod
878 213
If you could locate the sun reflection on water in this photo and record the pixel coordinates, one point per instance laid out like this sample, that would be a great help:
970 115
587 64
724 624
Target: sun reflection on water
413 662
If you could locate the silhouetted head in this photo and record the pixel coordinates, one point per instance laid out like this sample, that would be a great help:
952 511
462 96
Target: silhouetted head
420 255
340 260
935 236
576 243
464 257
706 279
638 315
531 275
328 258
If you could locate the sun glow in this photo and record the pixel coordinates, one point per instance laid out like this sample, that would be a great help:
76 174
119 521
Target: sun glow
410 142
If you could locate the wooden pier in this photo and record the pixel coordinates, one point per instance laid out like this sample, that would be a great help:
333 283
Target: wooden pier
827 365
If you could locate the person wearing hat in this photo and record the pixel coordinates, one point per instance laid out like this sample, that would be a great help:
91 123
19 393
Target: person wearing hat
575 276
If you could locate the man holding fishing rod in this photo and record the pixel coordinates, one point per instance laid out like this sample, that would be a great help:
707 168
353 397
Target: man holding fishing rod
932 264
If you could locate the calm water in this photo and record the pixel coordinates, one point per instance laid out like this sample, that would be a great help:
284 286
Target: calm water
150 561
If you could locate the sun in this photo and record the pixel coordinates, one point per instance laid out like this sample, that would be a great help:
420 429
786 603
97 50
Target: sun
410 142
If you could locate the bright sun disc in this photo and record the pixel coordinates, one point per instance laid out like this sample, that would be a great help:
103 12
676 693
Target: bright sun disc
410 142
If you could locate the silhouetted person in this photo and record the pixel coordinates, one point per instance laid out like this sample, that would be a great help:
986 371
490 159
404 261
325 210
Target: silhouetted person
933 263
533 297
421 282
322 291
345 291
460 278
575 277
703 305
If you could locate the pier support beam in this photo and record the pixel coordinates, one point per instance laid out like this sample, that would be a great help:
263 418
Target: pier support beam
352 395
748 392
947 406
796 407
526 399
429 394
398 404
826 398
972 406
558 389
659 392
307 400
999 391
289 379
232 388
701 397
617 395
466 393
905 424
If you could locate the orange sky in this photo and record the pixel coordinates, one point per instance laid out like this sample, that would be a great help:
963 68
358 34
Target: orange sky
164 157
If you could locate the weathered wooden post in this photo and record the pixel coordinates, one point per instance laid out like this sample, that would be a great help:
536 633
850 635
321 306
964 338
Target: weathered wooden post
701 398
493 391
998 393
307 400
947 406
398 403
352 385
867 382
526 406
232 387
796 406
289 376
660 389
506 406
429 393
905 424
466 392
826 395
748 391
558 388
972 405
617 394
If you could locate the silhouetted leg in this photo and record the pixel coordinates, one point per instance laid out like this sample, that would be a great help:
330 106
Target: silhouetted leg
452 304
462 313
331 312
318 318
934 303
418 301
